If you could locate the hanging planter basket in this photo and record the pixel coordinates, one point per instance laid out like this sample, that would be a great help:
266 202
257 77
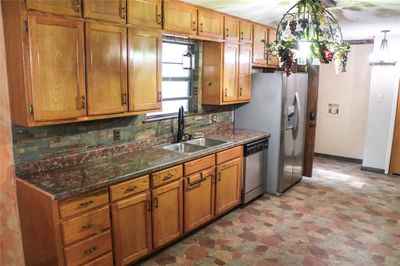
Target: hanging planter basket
308 30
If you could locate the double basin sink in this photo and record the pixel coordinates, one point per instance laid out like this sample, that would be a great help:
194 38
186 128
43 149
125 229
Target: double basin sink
193 145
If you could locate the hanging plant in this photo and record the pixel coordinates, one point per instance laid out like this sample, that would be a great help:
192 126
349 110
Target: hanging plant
308 21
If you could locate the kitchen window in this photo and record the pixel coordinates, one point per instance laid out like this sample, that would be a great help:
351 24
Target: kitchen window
176 79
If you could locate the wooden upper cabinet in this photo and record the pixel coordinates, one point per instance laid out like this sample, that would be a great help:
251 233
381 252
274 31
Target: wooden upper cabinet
231 29
210 24
57 67
61 7
245 53
272 60
180 18
230 80
145 13
106 69
228 185
246 31
260 34
106 10
167 213
144 70
199 199
131 228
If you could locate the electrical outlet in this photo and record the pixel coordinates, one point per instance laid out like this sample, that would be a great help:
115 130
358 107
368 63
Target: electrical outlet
214 118
117 135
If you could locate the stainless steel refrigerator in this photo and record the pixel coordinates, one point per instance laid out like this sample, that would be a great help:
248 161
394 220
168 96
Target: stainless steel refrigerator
278 106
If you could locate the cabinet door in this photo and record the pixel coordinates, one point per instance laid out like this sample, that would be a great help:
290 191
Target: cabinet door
57 67
106 68
246 31
231 31
144 70
167 213
259 36
199 199
272 60
231 56
131 228
245 53
228 185
145 13
210 24
61 7
180 17
107 10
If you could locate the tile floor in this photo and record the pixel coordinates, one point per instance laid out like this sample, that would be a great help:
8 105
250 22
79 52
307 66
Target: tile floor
342 216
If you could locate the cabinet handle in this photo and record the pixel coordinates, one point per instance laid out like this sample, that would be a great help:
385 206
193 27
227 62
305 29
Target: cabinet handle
123 12
202 179
124 99
194 25
159 20
241 35
226 92
149 205
83 102
156 202
90 250
227 32
86 203
130 189
201 27
159 96
240 91
86 226
219 176
78 6
167 177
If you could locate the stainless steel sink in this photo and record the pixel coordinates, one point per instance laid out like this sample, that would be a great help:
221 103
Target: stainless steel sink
206 142
183 147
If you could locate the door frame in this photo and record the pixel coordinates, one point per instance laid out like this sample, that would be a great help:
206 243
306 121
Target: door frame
394 119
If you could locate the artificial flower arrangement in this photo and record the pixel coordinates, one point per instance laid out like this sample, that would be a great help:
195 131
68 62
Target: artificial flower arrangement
313 25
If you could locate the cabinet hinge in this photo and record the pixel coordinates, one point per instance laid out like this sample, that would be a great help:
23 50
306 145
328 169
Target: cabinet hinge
31 109
26 26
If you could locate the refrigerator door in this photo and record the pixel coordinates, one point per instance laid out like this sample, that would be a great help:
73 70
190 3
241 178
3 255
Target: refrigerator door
299 132
287 145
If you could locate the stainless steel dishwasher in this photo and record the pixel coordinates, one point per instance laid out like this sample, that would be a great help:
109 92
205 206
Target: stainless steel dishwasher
255 154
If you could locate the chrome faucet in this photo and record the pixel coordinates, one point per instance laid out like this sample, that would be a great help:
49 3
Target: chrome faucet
181 124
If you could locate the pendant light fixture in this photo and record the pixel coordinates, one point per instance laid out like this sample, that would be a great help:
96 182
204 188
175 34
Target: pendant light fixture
308 31
382 57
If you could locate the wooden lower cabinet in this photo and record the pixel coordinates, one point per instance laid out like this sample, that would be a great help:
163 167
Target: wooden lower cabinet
199 199
228 185
131 220
167 213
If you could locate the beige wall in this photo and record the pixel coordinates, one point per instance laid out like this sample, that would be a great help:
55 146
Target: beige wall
344 134
10 234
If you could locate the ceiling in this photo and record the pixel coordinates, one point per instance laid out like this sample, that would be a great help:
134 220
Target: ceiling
359 19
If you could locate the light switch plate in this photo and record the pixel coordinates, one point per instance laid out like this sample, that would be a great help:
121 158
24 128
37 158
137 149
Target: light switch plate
379 98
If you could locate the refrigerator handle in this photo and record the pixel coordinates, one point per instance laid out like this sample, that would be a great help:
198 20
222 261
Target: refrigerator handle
297 112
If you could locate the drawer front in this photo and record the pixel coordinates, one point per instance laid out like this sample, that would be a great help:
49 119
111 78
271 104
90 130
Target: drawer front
167 175
89 249
86 225
106 260
129 188
199 164
230 154
71 207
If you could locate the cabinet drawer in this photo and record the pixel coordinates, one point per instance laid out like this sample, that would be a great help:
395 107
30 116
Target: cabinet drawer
129 188
230 154
89 249
86 225
199 164
71 207
167 175
106 260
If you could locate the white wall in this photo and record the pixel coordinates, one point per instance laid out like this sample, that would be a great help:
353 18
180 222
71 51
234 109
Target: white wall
382 105
344 134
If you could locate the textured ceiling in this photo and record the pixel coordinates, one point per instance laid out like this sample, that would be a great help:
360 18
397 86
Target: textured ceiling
359 19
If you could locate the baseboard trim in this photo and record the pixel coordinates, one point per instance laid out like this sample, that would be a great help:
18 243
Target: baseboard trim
372 169
340 158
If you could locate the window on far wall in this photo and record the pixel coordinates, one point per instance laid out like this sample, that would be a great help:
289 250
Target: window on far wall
176 82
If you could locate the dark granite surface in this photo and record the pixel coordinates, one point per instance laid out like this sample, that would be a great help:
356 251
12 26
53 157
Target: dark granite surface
72 181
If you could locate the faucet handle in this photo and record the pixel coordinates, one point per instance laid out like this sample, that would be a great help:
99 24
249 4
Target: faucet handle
186 136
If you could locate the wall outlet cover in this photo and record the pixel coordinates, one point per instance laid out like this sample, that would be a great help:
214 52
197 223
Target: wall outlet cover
214 118
117 135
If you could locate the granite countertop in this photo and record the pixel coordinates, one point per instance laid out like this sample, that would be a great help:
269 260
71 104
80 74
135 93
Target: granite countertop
73 181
